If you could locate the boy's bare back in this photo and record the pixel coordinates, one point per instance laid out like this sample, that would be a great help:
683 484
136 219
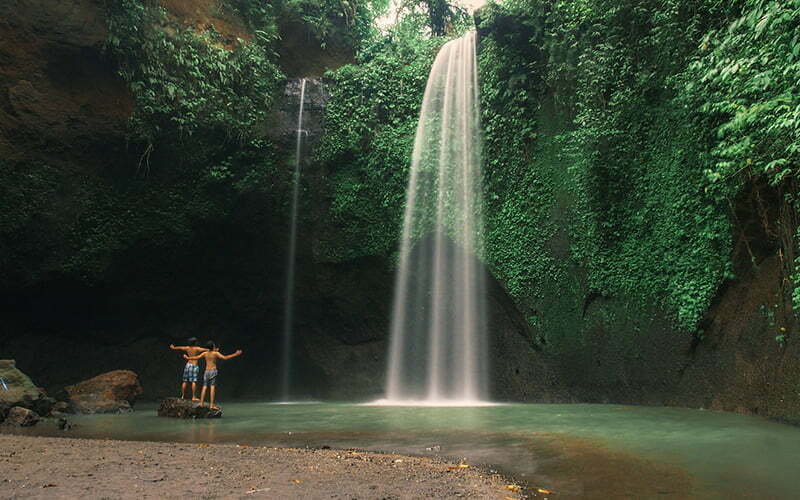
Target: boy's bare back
194 351
190 350
211 359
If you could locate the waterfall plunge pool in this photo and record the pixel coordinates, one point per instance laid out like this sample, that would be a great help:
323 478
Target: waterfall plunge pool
577 450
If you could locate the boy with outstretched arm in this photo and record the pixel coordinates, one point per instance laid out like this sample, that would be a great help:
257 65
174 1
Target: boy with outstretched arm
191 371
210 376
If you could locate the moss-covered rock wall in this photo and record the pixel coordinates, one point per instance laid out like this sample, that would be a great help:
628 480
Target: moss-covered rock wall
147 150
145 185
629 244
615 218
639 185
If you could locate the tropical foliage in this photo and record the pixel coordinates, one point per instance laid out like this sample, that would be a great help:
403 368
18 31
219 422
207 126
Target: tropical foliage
622 138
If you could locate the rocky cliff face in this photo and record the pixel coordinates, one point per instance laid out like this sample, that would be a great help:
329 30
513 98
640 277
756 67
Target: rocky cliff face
59 94
104 266
609 337
102 262
111 252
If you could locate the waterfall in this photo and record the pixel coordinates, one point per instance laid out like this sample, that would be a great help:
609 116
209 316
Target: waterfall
288 318
438 329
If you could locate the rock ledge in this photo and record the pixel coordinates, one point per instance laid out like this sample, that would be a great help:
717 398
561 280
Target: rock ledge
183 408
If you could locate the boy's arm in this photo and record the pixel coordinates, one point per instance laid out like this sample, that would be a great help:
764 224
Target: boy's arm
193 358
229 356
178 347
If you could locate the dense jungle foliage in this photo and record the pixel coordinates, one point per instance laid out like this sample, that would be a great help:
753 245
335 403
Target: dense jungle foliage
210 94
370 124
620 137
196 143
624 139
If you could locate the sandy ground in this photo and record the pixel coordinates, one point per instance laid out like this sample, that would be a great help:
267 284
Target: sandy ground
38 467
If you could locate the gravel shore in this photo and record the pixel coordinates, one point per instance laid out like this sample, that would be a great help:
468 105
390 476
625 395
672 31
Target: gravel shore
38 467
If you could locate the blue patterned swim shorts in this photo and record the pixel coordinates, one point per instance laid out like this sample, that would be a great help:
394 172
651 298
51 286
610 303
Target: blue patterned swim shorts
191 373
210 377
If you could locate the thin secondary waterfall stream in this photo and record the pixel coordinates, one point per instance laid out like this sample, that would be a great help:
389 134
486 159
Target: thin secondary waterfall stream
438 329
288 318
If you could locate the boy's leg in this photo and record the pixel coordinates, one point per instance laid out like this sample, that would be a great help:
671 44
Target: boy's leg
183 390
195 377
203 394
213 396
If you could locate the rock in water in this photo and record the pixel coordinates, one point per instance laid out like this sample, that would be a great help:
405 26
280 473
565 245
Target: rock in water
112 392
60 409
183 408
21 417
64 424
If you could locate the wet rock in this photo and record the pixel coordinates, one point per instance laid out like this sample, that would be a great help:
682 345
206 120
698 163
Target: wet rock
60 409
21 417
112 392
17 389
283 121
183 408
43 405
64 424
15 386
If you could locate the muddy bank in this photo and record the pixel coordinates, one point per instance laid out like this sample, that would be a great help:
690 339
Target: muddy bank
35 467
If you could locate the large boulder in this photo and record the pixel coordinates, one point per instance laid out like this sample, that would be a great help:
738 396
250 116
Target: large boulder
112 392
182 408
21 417
17 389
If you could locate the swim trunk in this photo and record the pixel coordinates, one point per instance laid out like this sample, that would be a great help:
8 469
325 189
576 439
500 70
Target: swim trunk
191 373
210 377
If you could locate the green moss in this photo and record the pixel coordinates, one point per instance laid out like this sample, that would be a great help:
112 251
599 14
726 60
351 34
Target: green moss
370 124
186 82
596 172
624 177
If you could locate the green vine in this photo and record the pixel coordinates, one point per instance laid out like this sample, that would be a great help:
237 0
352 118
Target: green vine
370 124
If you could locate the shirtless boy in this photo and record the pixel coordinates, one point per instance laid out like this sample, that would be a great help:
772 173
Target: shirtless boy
192 370
210 376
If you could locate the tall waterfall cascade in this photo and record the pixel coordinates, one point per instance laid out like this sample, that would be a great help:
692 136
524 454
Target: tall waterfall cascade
288 310
438 346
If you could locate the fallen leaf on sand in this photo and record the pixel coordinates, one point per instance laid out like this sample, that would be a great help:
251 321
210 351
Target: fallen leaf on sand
296 481
543 491
49 485
463 465
203 445
398 461
243 446
513 487
256 491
